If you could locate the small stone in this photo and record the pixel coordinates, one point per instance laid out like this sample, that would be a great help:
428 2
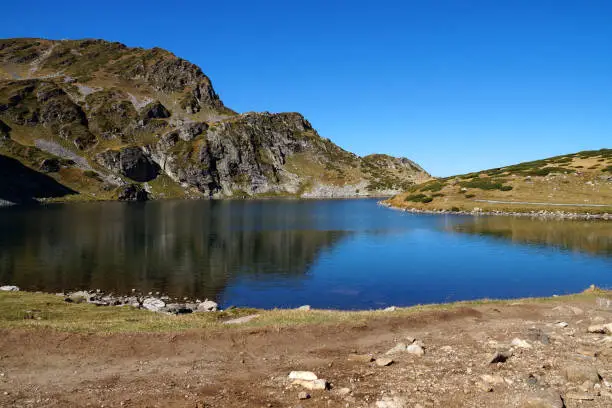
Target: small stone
319 384
562 324
302 375
516 342
399 347
501 356
597 328
384 361
207 306
415 349
303 395
153 304
361 358
304 308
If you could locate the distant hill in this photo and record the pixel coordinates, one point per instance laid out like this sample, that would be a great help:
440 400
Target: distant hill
579 182
107 121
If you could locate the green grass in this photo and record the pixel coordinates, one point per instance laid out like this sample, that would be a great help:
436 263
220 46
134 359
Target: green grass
26 310
484 184
419 198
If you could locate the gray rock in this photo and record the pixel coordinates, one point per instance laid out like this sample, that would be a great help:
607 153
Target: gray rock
153 304
9 288
303 395
500 356
318 384
80 296
415 349
132 192
207 306
302 375
384 361
132 162
155 110
304 308
399 347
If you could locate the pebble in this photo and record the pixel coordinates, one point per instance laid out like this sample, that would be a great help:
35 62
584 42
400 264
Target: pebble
384 361
562 324
361 358
415 349
303 375
516 342
399 347
501 356
303 395
319 384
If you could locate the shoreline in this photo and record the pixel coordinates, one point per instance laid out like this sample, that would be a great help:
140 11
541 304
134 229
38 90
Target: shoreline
539 214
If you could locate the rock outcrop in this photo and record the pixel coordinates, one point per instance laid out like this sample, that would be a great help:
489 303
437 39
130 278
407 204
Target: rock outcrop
137 116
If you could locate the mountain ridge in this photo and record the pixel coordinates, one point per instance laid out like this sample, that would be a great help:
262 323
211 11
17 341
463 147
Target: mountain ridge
115 122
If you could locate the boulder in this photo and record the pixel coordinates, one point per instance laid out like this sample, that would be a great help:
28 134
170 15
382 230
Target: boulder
500 356
132 162
9 288
155 110
132 192
516 342
207 306
305 308
153 304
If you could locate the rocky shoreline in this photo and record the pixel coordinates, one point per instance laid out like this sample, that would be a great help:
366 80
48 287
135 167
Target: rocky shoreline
532 214
154 303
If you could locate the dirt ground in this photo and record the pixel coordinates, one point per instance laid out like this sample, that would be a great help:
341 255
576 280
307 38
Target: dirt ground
248 367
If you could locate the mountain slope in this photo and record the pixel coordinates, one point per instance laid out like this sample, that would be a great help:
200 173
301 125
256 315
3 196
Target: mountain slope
113 122
579 182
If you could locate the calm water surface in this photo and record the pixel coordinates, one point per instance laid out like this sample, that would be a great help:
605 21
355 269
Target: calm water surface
345 254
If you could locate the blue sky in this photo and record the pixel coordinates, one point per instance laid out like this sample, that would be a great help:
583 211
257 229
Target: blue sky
455 85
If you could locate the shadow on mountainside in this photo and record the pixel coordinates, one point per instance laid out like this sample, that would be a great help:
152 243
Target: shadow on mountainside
22 185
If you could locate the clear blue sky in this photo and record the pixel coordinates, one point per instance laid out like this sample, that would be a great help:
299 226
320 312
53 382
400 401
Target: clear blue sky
455 85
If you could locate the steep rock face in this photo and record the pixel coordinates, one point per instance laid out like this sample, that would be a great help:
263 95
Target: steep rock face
131 162
124 116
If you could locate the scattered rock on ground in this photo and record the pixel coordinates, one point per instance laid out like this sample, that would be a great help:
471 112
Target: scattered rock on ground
384 361
415 349
399 347
543 399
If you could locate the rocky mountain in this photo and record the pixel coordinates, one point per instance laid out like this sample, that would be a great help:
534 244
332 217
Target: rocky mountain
105 121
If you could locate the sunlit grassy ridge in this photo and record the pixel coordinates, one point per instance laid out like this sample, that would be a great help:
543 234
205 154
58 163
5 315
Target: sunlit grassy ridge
582 178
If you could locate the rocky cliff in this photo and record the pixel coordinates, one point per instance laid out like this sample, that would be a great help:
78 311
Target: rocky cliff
112 122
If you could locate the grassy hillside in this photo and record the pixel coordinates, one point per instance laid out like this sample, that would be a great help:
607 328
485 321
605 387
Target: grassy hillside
579 182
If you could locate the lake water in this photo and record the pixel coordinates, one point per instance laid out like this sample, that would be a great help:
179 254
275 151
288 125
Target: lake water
345 254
